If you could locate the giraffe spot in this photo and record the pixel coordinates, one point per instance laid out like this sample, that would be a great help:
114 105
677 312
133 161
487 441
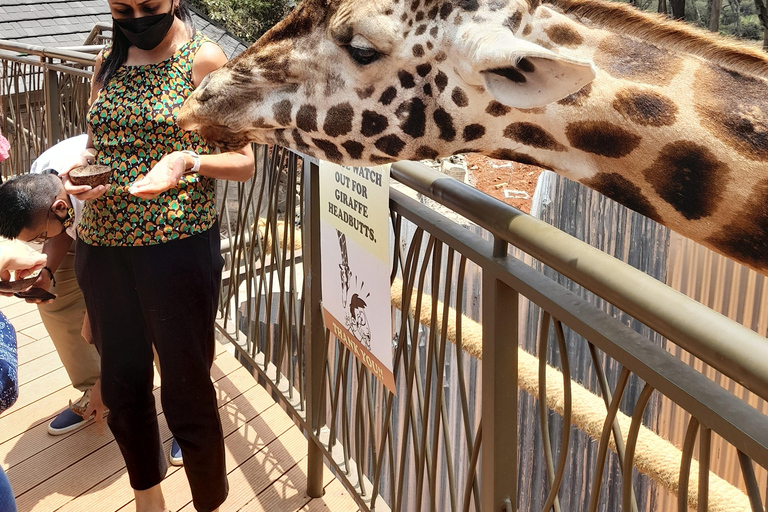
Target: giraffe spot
306 118
389 12
532 135
420 29
427 89
301 145
746 237
544 14
632 59
601 138
333 84
527 30
282 112
413 117
423 69
338 120
734 108
446 10
497 109
405 34
404 16
516 156
497 5
459 97
365 93
441 56
513 22
441 81
444 122
418 50
469 5
430 45
388 96
415 5
562 34
380 160
391 145
646 108
280 138
373 123
354 148
623 191
510 74
433 32
419 16
458 20
426 153
578 98
406 79
473 132
689 177
432 14
332 153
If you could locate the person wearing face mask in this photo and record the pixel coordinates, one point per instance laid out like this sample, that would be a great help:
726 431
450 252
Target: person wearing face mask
147 256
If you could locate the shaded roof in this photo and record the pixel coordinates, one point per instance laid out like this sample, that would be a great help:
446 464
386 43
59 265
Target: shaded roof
60 23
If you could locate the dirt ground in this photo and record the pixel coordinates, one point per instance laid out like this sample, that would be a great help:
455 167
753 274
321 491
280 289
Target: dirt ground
511 182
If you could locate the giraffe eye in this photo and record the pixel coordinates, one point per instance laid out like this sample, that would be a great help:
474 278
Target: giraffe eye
363 56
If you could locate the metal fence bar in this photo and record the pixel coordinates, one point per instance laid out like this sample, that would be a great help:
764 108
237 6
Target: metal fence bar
499 464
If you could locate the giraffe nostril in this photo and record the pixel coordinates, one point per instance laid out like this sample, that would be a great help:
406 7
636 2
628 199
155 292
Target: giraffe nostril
204 95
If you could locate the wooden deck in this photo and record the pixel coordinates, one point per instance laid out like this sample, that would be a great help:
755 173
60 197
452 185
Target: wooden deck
84 471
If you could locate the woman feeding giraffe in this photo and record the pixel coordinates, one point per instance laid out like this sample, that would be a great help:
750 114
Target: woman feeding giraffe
147 256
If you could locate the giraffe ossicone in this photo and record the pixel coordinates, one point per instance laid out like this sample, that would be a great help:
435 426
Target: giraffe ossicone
666 119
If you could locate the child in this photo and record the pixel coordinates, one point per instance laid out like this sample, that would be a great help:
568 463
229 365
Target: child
35 208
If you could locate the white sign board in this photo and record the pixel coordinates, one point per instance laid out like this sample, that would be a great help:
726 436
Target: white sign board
354 230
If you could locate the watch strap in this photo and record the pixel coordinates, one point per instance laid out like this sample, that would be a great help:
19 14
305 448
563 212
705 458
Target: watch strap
196 162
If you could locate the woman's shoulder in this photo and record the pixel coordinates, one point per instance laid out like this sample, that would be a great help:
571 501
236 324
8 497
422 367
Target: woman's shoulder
208 58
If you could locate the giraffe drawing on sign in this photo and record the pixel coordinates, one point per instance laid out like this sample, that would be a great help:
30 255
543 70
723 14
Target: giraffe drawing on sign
666 119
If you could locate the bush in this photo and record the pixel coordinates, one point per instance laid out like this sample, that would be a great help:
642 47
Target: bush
247 19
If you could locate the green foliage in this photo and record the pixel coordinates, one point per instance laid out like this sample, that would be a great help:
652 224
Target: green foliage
738 18
247 19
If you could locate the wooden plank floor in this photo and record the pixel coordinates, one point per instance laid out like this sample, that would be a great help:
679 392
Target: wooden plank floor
84 471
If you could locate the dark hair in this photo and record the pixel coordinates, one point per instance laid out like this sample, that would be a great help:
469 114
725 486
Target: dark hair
119 50
25 198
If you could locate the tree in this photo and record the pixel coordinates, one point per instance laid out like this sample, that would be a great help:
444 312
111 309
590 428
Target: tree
714 15
678 9
247 19
762 14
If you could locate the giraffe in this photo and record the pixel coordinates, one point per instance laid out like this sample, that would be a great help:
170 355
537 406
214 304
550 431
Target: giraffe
669 120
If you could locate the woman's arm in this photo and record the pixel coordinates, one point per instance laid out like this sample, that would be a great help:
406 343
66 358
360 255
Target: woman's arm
85 192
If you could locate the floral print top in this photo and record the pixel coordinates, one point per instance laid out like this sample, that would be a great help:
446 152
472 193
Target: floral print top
133 122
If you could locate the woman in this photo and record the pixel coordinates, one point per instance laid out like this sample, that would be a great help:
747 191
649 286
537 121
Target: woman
147 255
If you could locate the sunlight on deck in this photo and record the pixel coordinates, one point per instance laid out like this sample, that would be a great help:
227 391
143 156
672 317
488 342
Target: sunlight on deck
84 471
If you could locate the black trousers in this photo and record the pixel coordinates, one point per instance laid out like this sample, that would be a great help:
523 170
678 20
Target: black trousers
163 295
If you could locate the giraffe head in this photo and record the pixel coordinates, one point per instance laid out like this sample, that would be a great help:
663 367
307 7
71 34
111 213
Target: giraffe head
383 80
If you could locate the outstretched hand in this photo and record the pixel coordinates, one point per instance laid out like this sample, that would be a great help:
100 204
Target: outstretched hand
165 175
21 259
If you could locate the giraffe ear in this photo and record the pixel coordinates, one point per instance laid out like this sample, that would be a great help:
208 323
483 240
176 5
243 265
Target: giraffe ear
528 75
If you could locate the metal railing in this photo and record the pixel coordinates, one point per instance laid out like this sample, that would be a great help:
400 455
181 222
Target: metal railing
43 99
449 439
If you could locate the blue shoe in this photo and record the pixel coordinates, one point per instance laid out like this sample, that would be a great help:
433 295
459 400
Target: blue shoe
67 421
175 455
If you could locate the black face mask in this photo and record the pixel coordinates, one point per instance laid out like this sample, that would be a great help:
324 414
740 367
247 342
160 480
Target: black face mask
146 32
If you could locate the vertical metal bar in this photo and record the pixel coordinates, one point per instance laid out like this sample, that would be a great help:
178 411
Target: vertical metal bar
52 107
685 464
499 390
750 481
705 445
315 328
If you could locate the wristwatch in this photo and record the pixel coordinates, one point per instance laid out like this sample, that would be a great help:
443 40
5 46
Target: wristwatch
196 165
